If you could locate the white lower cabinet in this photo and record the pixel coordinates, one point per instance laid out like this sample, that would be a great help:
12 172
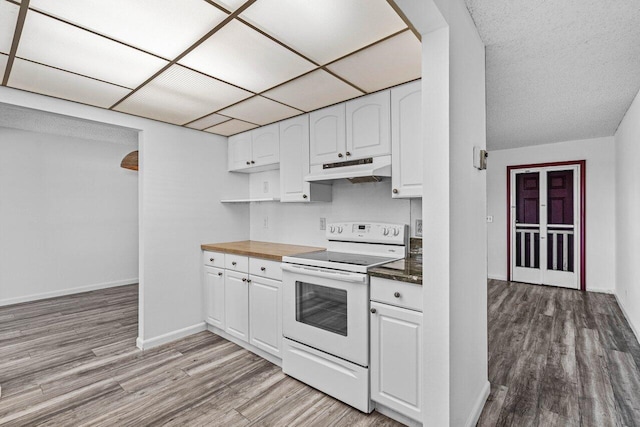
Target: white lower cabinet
396 359
245 300
214 296
265 320
236 304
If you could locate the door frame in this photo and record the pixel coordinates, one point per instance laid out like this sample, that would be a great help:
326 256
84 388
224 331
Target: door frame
582 203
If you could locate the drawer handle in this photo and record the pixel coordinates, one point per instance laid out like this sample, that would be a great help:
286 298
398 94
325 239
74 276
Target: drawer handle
340 155
395 191
396 294
263 268
211 259
219 274
248 162
373 310
248 280
234 263
244 279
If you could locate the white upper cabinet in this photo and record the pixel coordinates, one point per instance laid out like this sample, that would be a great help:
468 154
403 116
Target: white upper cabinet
239 151
368 126
406 140
327 135
294 163
265 145
254 151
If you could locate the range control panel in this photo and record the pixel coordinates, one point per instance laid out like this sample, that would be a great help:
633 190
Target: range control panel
368 232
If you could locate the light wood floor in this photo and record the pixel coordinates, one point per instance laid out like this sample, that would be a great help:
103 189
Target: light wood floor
73 361
559 357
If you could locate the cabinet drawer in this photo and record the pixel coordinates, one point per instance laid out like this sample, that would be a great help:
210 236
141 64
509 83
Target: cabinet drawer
265 268
213 259
236 262
393 292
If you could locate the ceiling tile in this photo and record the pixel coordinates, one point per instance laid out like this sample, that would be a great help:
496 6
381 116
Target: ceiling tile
312 91
396 60
8 18
231 127
180 95
259 110
230 5
61 84
239 55
164 27
51 42
208 121
325 30
3 64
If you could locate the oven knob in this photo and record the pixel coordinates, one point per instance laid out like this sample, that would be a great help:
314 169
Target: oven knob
385 232
339 229
396 231
332 229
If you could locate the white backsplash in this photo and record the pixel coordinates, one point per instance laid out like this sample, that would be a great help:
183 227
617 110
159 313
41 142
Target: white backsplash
299 223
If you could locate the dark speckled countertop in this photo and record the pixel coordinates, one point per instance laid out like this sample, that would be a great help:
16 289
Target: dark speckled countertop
403 270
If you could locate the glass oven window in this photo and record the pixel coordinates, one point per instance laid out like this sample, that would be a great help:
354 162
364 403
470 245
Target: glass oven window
322 307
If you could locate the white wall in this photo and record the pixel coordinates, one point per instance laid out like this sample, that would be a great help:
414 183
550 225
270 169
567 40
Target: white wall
68 215
182 177
299 223
599 154
627 177
468 238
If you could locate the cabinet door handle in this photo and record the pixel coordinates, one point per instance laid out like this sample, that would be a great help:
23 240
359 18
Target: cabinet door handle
233 263
373 310
304 196
395 191
347 153
219 274
248 280
211 259
244 279
263 268
252 162
248 162
340 155
396 294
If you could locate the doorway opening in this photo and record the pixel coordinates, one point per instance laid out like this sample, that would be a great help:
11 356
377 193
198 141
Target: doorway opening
546 224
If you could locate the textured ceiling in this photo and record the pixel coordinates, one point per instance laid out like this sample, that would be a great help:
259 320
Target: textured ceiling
222 66
557 70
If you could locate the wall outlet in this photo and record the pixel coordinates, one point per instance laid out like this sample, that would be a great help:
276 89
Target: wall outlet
265 223
418 228
265 189
490 218
323 223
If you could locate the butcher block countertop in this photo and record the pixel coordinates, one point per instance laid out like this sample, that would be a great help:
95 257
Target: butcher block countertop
265 250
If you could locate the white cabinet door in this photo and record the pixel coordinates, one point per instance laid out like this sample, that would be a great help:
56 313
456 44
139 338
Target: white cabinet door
294 159
265 300
265 146
327 135
396 359
214 296
236 304
239 151
406 140
368 126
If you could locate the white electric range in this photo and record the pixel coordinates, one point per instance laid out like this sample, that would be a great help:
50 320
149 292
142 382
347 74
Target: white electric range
325 308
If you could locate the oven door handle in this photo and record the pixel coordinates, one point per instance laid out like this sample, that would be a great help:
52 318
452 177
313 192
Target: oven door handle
342 276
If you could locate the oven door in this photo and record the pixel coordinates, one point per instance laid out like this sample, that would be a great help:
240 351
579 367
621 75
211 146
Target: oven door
327 310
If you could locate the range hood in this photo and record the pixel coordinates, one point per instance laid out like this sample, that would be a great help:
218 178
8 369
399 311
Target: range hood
371 169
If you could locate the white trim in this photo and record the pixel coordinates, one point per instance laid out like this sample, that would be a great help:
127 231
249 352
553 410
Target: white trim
69 291
270 357
601 290
170 336
631 325
395 415
502 277
474 416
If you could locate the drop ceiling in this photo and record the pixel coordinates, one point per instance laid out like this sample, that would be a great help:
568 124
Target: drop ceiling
221 66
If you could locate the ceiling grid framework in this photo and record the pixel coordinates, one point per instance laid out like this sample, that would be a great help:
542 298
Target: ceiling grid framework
221 66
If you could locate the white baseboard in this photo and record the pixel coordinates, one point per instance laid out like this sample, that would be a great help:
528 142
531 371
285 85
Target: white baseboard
474 416
626 315
69 291
395 415
601 290
497 277
170 336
